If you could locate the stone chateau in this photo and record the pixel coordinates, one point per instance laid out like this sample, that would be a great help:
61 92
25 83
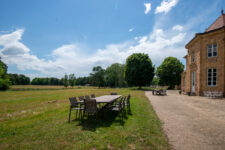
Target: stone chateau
205 61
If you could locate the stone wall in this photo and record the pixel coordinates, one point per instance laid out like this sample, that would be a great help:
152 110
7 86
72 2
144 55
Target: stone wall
213 62
202 63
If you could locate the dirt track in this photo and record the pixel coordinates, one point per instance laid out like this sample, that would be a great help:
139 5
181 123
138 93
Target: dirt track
191 122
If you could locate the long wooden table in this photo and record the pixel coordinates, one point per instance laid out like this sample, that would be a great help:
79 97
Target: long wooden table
106 98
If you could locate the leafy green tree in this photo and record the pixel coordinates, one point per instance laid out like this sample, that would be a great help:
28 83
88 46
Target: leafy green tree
139 70
66 81
83 80
169 72
114 75
4 79
72 80
155 81
19 79
97 76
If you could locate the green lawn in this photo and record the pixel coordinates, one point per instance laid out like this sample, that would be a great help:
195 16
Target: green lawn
38 119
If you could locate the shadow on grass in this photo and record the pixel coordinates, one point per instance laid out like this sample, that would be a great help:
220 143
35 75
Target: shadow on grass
105 119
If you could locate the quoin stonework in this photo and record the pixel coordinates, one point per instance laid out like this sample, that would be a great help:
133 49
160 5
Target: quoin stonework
205 61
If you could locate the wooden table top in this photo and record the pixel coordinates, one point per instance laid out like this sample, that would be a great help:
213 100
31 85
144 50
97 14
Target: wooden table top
106 98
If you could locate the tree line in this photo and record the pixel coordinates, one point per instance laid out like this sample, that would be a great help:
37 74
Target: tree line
18 79
137 71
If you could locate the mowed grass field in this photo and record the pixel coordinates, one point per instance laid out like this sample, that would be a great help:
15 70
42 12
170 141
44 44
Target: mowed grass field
38 119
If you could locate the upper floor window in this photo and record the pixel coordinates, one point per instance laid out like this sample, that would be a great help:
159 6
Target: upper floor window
193 57
212 77
212 50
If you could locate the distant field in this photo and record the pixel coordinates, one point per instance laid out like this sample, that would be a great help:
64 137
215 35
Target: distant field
45 87
36 87
38 119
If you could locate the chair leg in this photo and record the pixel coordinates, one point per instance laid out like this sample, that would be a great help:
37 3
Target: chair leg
128 107
69 115
83 115
80 112
76 114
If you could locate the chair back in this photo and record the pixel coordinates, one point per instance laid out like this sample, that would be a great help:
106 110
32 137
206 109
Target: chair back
123 101
81 98
113 93
128 99
87 97
90 106
92 95
73 101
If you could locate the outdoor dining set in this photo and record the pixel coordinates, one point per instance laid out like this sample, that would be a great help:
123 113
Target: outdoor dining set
92 105
160 92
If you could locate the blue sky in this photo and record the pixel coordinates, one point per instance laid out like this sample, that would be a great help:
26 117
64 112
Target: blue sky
53 37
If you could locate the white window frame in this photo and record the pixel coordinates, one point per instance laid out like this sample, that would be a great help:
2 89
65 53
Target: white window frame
213 70
213 49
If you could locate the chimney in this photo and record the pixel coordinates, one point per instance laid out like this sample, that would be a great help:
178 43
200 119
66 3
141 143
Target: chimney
222 12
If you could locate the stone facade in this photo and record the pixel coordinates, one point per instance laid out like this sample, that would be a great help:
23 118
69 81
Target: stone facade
198 62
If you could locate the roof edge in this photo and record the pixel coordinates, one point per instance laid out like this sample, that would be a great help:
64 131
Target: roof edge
197 34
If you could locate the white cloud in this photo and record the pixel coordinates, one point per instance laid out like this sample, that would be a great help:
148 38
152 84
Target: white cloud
147 7
131 30
15 52
166 6
70 58
11 43
177 28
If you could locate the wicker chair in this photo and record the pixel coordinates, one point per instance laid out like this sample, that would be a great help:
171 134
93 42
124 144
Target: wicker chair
81 101
127 102
113 93
74 105
81 98
119 107
90 107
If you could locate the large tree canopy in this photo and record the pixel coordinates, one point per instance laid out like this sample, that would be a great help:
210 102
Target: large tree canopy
4 79
114 75
72 80
97 76
139 70
66 81
169 72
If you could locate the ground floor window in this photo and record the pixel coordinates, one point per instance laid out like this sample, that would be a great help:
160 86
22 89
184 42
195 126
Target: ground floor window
212 77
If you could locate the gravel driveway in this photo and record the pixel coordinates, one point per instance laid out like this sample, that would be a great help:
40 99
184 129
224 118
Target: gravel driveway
191 122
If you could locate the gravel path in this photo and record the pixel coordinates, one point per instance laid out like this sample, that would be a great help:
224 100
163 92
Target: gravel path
191 122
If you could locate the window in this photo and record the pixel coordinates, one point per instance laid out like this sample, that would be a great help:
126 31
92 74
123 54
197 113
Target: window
193 57
212 50
212 77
